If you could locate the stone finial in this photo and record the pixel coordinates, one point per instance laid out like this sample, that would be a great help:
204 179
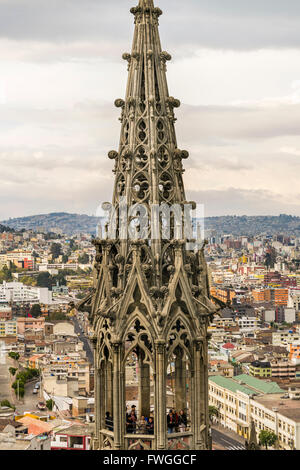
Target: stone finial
119 103
112 155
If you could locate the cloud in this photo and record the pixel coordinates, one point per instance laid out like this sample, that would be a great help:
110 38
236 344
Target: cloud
61 157
237 122
290 151
240 202
236 70
230 24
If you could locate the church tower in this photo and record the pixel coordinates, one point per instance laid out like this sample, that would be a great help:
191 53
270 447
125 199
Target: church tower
150 305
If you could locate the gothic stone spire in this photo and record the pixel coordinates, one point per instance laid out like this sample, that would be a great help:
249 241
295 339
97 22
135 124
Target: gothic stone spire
148 164
150 298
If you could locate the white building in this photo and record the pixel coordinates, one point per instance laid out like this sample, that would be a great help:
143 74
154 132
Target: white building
294 299
18 292
248 323
242 400
290 315
269 316
285 338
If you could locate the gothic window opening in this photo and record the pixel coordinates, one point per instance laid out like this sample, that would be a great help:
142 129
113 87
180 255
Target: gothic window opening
161 131
142 130
140 187
139 383
121 185
163 158
106 384
179 379
157 93
166 186
141 158
126 133
143 90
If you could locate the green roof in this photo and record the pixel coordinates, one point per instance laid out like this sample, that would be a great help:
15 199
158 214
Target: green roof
246 384
261 385
230 384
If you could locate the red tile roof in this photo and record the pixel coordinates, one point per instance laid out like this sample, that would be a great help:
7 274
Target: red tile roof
228 346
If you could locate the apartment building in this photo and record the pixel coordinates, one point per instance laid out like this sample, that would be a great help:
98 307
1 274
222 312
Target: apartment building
260 369
66 375
8 328
18 292
294 299
277 295
21 259
248 323
28 323
283 370
285 338
294 353
225 295
243 399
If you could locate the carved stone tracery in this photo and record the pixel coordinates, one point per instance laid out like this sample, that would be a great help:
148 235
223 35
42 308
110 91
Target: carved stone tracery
149 298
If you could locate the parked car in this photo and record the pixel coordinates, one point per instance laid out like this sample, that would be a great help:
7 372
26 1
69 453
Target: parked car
41 405
35 391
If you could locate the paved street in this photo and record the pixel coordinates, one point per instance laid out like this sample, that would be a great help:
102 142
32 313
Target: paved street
224 441
30 401
86 344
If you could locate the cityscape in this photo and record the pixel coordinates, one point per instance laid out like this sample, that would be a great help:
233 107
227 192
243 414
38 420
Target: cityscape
153 322
254 346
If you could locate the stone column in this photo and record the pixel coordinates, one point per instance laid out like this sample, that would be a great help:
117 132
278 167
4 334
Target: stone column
109 388
208 441
95 442
201 390
100 411
144 386
199 394
160 395
180 381
118 418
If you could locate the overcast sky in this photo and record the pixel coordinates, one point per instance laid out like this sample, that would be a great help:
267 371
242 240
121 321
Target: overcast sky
235 68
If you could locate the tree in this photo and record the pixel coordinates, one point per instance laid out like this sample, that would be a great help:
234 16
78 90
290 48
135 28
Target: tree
55 250
19 388
12 371
213 412
28 281
267 438
7 404
14 355
36 311
50 404
44 280
270 258
56 316
84 259
5 274
65 259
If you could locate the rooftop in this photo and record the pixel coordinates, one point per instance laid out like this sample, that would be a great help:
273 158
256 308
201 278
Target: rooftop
228 346
246 384
78 430
285 407
263 386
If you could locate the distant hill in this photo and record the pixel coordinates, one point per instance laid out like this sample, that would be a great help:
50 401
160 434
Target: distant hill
236 225
58 221
254 225
6 229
